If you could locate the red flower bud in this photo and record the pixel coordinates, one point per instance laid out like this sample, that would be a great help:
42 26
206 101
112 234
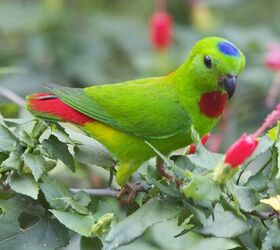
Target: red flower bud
161 30
272 59
241 150
204 139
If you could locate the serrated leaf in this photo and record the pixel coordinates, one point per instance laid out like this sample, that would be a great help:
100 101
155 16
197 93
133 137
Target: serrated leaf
54 193
93 155
24 184
26 138
14 162
224 224
92 243
247 198
38 129
257 182
202 188
46 233
264 144
91 151
58 150
36 163
167 189
81 224
82 198
8 141
152 212
204 158
59 196
272 239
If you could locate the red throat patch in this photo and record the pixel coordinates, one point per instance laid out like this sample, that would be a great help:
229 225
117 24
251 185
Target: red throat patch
212 104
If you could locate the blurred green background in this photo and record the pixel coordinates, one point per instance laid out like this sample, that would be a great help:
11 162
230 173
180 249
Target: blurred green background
83 42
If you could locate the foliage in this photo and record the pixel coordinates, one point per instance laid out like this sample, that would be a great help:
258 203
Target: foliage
37 209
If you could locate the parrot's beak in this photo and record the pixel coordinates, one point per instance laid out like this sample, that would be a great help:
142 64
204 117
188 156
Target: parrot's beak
228 83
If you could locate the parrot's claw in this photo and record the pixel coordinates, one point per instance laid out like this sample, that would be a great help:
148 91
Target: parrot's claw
164 172
130 190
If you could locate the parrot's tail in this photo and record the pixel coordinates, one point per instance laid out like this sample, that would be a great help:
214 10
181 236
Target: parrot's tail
49 107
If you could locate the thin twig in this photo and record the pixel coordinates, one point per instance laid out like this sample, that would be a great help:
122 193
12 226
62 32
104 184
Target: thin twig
10 95
265 215
98 192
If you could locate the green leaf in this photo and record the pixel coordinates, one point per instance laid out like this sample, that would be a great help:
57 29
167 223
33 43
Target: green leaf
14 162
257 182
26 138
264 144
58 150
8 141
59 196
278 159
3 157
167 189
202 188
94 155
274 132
154 211
54 192
92 243
36 163
38 129
81 224
103 224
18 121
24 184
44 233
162 236
91 151
272 239
247 198
82 198
224 224
204 158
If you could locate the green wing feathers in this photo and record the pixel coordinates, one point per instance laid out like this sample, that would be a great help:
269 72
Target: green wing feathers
148 110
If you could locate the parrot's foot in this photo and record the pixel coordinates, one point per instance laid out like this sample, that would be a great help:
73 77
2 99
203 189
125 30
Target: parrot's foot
130 190
165 173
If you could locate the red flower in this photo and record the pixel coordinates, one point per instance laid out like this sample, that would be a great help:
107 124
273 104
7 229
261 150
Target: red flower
161 29
241 150
192 147
272 59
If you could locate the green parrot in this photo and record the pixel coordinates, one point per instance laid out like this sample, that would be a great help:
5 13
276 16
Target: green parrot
159 110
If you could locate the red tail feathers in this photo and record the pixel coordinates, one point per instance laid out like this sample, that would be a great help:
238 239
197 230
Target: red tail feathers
46 105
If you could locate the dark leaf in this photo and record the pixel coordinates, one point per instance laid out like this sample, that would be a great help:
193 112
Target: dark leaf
154 211
58 150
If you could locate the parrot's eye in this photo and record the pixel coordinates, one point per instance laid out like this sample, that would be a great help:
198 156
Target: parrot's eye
208 62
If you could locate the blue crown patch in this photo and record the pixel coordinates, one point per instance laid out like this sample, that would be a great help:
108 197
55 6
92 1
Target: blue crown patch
228 49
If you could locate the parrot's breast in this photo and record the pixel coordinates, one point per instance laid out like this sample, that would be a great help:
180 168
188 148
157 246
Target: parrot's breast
212 104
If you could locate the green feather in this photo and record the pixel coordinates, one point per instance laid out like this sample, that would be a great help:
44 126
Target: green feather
149 110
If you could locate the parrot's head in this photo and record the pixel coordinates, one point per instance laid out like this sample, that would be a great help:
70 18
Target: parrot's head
214 64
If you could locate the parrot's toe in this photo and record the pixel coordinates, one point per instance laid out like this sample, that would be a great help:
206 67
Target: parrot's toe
130 190
165 173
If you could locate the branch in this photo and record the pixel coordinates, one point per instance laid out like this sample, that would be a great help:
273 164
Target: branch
98 192
265 215
10 95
